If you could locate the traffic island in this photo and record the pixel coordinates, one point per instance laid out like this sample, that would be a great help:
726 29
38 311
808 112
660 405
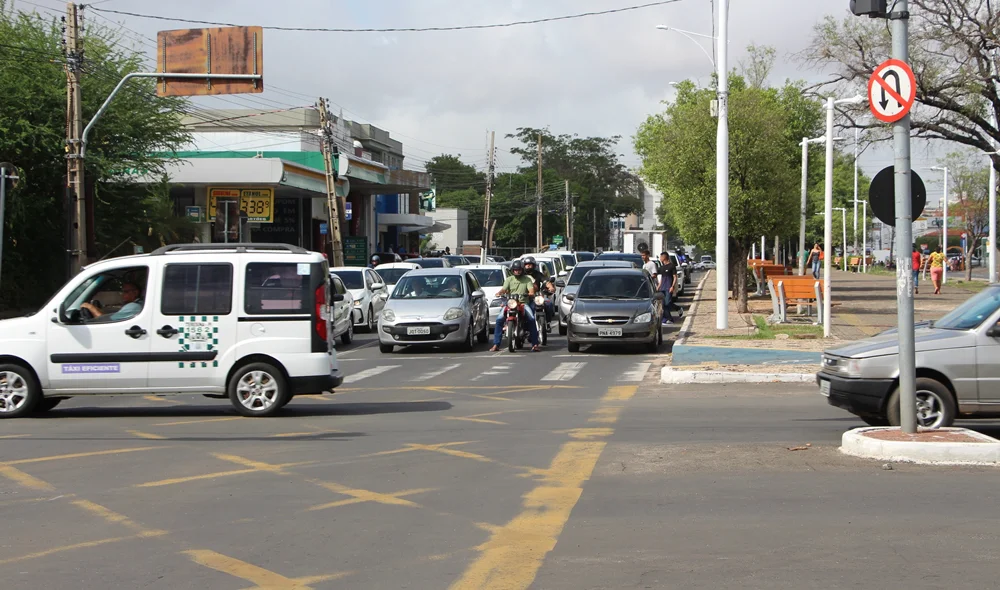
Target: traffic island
942 446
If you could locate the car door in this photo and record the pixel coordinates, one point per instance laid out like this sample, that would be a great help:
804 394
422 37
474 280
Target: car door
378 296
194 327
475 303
108 353
341 309
987 365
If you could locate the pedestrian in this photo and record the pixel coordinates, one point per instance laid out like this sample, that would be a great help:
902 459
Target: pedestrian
648 265
815 256
917 260
937 269
667 284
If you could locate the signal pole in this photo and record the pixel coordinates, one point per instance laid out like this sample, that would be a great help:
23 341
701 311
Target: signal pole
489 195
75 188
538 199
329 150
569 224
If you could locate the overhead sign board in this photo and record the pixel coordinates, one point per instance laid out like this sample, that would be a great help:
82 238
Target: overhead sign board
225 50
257 203
882 195
892 89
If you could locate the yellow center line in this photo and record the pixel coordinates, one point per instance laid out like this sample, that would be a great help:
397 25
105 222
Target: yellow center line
177 480
113 517
147 435
257 575
605 415
84 545
161 399
620 393
81 455
5 436
200 421
29 481
358 496
311 433
471 419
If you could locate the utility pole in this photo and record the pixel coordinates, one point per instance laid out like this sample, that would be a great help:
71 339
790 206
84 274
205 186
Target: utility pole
569 226
538 199
329 150
486 210
722 175
856 136
594 217
75 188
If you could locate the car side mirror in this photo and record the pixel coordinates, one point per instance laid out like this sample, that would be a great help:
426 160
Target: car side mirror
570 296
561 283
477 294
377 286
337 298
659 295
994 332
553 278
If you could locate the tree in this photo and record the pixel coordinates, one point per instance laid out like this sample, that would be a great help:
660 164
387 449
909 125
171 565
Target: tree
136 128
469 201
952 45
452 174
969 181
677 148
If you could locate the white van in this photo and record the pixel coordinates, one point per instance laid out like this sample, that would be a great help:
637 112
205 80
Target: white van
250 322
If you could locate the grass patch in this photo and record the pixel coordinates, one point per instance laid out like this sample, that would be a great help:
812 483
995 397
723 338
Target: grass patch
972 286
767 332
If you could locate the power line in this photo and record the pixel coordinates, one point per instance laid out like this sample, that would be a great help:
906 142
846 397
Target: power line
401 29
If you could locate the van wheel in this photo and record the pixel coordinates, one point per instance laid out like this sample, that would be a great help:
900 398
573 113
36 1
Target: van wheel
935 405
348 336
19 392
258 389
385 348
47 403
371 320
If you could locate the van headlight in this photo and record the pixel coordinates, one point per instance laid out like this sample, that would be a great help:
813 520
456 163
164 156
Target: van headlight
643 318
454 313
578 318
388 315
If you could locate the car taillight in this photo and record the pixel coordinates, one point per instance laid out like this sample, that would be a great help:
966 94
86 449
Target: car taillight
320 296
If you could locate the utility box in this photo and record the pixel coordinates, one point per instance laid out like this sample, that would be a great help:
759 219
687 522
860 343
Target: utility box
869 8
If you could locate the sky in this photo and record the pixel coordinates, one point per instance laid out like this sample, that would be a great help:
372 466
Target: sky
441 92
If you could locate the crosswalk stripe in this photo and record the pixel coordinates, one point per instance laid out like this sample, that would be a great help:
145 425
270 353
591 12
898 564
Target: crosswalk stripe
564 372
437 372
494 370
369 373
637 372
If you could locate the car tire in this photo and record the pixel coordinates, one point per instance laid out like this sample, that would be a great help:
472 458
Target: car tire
935 405
385 348
47 403
348 336
875 420
19 391
371 320
573 346
258 390
653 346
484 335
563 330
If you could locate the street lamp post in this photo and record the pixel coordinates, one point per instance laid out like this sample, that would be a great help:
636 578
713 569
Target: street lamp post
944 223
843 219
828 207
806 142
864 232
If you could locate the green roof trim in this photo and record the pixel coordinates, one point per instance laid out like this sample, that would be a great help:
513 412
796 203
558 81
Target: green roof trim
312 160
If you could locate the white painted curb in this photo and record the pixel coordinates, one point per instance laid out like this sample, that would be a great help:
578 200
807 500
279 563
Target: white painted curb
671 375
855 444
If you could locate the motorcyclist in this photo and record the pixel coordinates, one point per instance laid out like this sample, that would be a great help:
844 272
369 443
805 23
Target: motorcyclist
542 284
517 284
375 261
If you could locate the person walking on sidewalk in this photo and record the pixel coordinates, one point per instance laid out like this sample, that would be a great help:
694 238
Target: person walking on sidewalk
667 283
917 261
937 269
815 257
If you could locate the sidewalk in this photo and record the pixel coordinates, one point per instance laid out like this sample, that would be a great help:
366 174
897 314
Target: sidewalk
864 306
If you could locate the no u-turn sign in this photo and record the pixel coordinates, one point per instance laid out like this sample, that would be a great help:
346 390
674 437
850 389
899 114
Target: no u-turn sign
891 90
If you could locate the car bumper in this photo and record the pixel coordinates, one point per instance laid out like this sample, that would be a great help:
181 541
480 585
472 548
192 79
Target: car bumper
441 333
631 334
863 397
315 384
357 316
564 310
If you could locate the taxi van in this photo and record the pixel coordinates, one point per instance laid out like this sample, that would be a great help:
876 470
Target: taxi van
248 322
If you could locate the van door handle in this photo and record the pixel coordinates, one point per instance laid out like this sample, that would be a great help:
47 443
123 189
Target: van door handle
135 332
168 331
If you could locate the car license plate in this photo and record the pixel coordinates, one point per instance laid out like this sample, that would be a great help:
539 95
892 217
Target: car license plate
609 332
824 387
418 331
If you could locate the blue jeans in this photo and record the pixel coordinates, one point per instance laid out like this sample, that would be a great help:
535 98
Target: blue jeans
916 279
529 316
816 269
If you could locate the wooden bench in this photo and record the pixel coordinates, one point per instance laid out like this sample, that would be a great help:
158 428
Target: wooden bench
762 272
796 290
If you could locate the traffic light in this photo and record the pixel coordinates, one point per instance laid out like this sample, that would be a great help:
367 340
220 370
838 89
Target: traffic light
869 8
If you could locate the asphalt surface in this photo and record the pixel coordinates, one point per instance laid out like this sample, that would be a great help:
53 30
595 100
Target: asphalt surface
440 469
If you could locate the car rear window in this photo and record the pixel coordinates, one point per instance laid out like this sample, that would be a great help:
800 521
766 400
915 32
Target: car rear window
568 259
489 277
353 279
391 275
277 287
584 256
197 289
430 262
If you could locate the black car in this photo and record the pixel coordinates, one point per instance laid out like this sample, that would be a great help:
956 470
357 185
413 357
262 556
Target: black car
431 262
633 258
616 306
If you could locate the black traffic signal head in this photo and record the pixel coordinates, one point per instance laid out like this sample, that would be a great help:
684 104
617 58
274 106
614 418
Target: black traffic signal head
869 8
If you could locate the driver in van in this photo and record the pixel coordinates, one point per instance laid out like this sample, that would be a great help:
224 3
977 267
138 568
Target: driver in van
131 304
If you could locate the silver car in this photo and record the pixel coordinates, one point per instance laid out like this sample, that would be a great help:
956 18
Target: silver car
572 285
434 306
958 368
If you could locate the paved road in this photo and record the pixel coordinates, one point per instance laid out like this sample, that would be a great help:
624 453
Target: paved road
448 470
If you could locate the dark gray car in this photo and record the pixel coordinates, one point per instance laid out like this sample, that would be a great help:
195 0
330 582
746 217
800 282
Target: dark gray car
616 306
572 285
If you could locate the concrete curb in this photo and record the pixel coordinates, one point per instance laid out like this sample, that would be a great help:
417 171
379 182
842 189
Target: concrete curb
682 336
671 375
855 444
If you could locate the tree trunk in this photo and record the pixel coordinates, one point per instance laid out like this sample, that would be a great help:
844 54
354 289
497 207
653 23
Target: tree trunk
968 262
738 272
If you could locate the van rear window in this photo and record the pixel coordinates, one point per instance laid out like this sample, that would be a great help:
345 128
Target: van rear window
277 287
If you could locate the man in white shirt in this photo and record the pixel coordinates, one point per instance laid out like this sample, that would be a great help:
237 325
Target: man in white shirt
648 265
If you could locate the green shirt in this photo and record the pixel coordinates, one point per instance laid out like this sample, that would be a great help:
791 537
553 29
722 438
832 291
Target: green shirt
518 285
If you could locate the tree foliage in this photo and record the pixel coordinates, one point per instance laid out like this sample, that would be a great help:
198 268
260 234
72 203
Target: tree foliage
969 198
32 136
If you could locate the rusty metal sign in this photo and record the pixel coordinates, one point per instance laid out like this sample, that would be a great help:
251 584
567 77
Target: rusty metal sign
217 51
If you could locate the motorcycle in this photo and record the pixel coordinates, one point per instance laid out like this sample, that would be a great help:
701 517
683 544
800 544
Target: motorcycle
540 319
514 328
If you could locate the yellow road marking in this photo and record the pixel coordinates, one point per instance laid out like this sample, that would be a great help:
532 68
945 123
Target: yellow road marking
588 433
471 419
358 496
606 415
148 435
476 387
113 517
81 455
620 393
251 467
514 553
438 448
161 399
259 465
177 480
310 433
15 436
84 545
201 421
34 500
29 481
259 576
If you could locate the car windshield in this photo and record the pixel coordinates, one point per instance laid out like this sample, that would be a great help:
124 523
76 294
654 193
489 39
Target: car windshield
584 256
489 277
615 287
633 258
568 259
431 263
391 275
973 312
352 278
456 260
428 287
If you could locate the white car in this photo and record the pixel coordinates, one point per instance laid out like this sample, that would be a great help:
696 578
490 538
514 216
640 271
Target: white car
250 322
392 272
491 278
342 322
369 294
